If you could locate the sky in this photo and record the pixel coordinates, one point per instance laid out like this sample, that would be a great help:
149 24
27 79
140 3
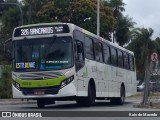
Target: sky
146 13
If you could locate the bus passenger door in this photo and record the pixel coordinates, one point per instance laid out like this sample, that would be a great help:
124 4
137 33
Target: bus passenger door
79 66
79 56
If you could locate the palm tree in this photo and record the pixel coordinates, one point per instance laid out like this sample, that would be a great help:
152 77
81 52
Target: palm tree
118 7
122 31
142 45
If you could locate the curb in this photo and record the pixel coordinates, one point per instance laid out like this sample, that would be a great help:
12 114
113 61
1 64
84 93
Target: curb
16 101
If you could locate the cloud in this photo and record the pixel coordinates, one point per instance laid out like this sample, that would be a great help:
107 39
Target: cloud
146 13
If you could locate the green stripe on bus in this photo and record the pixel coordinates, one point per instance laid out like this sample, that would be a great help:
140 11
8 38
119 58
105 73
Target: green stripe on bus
87 32
40 83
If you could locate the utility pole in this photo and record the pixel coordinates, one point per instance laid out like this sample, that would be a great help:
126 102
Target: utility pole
21 13
113 36
98 17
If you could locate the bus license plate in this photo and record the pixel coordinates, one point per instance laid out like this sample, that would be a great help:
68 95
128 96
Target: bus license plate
39 92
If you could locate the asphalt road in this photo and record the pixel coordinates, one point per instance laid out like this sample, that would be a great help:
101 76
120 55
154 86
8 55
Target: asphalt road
72 108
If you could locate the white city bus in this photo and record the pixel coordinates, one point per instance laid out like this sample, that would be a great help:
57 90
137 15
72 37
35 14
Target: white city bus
61 61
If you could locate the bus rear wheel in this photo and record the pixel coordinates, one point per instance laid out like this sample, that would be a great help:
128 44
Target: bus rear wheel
120 100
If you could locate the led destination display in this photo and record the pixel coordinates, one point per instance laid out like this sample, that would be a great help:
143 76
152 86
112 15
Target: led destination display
37 31
41 30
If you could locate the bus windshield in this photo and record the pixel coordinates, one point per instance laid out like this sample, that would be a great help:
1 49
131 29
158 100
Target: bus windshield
43 54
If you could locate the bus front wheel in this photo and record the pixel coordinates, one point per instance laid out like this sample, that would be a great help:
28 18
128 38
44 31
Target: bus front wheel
90 99
91 95
40 103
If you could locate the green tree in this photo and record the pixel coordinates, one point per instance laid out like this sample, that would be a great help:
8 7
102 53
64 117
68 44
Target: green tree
157 44
30 9
6 82
117 7
142 45
40 11
1 7
76 12
122 31
10 19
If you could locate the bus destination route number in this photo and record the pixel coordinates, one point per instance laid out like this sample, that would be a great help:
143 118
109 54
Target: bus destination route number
36 31
41 30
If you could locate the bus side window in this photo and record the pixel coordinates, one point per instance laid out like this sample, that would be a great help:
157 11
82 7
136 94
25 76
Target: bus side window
89 48
79 51
79 55
126 62
120 59
131 62
106 53
98 51
114 56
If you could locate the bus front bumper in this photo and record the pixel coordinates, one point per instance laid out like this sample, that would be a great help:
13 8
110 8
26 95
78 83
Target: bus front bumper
67 91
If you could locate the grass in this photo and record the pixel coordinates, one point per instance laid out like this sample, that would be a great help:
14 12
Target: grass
149 105
140 95
154 100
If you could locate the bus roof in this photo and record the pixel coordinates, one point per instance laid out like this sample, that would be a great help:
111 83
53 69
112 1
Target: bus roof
32 25
73 27
100 38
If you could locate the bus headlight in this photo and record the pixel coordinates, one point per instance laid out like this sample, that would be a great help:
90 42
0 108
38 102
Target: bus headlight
67 81
16 85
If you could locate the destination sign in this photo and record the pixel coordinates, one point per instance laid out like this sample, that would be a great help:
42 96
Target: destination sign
41 30
36 31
